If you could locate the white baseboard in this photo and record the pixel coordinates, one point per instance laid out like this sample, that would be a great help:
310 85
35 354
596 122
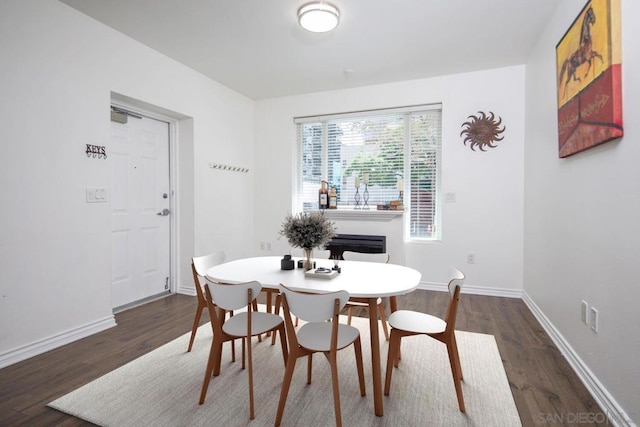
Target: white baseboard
38 347
474 290
614 411
187 290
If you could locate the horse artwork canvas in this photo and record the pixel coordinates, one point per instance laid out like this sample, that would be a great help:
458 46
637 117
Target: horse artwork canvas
589 79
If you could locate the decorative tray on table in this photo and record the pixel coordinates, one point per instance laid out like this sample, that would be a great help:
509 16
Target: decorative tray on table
321 273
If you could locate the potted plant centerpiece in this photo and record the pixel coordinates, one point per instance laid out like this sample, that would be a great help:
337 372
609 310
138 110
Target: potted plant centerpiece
308 231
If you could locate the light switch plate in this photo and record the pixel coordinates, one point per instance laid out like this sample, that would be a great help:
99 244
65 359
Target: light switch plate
97 195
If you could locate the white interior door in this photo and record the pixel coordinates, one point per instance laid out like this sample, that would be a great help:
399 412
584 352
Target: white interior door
140 202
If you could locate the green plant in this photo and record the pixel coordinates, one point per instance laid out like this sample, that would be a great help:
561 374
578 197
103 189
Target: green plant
308 230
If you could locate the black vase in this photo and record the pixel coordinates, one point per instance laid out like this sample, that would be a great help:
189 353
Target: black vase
287 263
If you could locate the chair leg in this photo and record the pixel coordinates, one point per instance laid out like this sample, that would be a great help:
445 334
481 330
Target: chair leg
455 346
336 389
196 323
309 367
255 308
383 319
357 348
397 357
233 343
244 345
214 359
217 358
394 348
455 374
283 343
286 383
349 315
268 303
252 414
276 310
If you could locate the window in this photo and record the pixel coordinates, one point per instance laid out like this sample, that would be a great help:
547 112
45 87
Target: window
375 158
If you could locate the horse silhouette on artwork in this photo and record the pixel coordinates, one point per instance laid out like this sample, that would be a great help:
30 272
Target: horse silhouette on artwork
584 53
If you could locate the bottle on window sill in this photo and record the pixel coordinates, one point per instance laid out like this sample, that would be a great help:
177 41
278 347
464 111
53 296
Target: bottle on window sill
323 196
333 198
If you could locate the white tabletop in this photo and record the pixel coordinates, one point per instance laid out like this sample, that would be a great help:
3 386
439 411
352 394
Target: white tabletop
360 279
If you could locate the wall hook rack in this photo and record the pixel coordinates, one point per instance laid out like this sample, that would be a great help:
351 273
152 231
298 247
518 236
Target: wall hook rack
228 168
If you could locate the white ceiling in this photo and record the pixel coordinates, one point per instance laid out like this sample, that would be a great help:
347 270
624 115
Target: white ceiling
257 48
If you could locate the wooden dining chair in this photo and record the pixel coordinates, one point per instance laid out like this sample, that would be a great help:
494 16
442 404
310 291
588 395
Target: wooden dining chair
317 335
199 267
354 302
222 297
406 323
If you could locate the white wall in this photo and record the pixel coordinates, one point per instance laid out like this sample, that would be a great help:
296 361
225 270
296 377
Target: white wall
487 218
582 233
58 69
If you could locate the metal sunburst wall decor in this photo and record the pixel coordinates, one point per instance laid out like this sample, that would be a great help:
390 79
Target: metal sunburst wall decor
482 131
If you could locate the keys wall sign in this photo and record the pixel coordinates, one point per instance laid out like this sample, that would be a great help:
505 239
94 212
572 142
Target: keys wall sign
98 151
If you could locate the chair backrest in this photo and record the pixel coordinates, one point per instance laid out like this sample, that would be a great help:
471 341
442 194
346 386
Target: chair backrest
233 296
317 253
456 280
205 262
199 267
313 307
362 256
455 286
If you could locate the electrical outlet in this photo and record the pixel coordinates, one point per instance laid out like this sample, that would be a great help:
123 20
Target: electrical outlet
471 258
593 319
262 246
584 312
268 246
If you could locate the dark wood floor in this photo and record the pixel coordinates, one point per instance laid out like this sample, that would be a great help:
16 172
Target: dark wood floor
545 388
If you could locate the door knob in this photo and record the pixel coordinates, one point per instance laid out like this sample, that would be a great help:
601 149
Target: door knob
164 212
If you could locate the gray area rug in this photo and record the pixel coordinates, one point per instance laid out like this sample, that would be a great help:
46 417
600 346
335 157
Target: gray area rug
162 388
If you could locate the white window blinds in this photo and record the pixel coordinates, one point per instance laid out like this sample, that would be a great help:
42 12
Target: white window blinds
375 158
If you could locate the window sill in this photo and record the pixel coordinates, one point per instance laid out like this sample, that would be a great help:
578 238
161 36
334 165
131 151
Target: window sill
362 214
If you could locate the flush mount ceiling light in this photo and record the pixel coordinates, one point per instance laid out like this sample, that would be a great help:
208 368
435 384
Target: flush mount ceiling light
318 17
